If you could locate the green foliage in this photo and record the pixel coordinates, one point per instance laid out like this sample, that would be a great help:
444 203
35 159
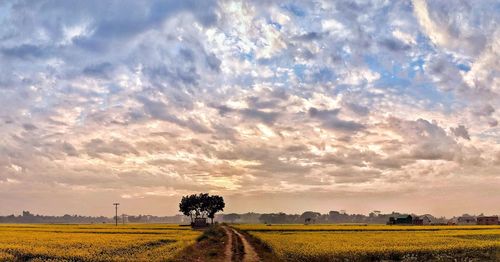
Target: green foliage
201 205
214 233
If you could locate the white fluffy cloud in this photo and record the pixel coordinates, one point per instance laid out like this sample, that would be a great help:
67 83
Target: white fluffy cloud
146 101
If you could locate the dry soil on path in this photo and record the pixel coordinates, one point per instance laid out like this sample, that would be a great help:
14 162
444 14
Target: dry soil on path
249 252
228 250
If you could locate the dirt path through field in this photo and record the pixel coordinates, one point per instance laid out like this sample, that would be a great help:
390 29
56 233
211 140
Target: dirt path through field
249 251
250 254
228 249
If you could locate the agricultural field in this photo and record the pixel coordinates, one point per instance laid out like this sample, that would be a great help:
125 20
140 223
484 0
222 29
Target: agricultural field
379 242
93 242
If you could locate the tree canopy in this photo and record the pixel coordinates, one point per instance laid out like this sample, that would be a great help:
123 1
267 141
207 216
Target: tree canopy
201 206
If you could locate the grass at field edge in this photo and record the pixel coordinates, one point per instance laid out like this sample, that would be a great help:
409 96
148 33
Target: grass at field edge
209 247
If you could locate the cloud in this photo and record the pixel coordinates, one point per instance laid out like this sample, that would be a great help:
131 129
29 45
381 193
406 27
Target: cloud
484 73
266 117
357 109
460 131
493 122
98 70
158 110
331 121
444 29
69 149
156 99
446 75
116 147
424 139
394 45
250 113
452 27
353 175
24 51
484 110
29 127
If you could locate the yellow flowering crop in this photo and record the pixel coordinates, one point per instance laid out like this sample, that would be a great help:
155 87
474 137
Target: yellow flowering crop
373 242
93 242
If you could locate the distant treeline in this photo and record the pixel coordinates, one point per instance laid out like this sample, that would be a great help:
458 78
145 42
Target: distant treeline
28 217
374 217
336 217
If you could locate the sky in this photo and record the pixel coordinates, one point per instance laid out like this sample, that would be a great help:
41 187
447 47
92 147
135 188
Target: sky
275 105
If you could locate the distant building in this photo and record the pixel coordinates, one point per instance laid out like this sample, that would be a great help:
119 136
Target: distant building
401 220
487 220
427 220
467 220
422 220
418 221
199 222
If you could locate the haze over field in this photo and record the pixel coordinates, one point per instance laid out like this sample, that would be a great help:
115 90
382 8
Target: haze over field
276 105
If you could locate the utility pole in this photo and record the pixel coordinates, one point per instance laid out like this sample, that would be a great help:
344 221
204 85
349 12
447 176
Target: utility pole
116 213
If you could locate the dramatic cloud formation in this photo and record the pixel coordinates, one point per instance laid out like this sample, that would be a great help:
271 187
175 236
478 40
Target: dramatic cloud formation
277 105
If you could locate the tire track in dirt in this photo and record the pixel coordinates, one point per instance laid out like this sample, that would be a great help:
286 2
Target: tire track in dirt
228 249
250 254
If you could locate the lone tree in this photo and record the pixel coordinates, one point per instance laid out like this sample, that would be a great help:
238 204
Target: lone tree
201 206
